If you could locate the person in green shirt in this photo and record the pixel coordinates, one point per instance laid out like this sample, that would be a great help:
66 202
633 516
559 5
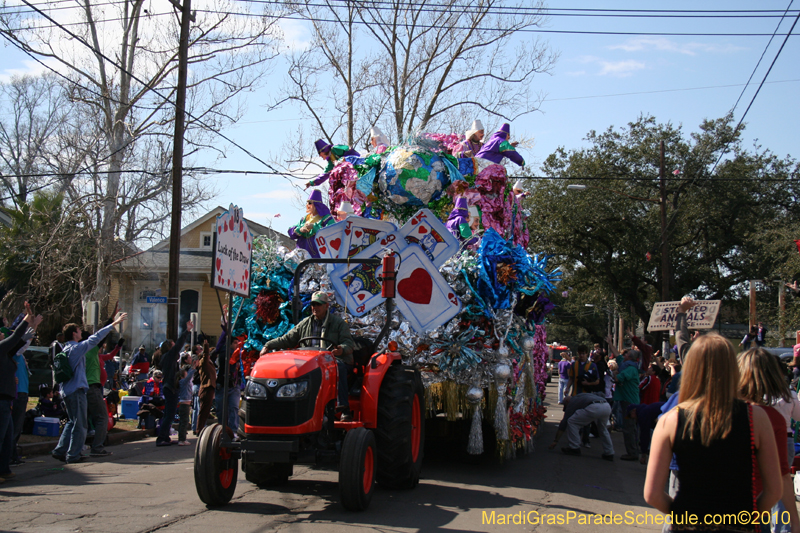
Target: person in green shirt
627 394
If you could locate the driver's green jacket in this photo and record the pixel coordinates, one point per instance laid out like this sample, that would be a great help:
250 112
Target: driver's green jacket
335 331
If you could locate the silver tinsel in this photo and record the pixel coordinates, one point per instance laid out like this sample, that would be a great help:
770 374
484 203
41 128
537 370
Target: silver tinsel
475 442
501 374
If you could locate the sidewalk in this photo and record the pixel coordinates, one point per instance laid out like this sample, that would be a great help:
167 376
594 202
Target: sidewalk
45 447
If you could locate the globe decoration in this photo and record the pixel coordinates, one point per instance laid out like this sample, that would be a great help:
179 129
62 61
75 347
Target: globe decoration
413 177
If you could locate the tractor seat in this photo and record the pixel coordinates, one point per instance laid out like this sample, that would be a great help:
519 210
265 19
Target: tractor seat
363 351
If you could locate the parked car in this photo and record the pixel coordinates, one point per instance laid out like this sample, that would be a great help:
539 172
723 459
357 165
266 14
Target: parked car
38 358
784 354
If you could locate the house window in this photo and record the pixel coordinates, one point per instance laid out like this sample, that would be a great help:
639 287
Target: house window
206 240
147 318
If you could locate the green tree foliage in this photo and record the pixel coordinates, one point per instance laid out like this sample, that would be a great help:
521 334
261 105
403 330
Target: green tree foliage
46 255
728 210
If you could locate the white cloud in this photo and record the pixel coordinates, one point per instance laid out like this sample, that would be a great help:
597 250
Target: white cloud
278 194
641 44
576 73
296 36
620 68
28 67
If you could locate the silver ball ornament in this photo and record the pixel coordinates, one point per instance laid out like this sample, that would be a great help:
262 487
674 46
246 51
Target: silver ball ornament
502 371
528 344
474 394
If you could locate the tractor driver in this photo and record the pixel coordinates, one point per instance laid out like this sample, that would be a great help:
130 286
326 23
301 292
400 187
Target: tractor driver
334 331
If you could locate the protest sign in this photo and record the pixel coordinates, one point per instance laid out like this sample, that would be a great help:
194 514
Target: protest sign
701 316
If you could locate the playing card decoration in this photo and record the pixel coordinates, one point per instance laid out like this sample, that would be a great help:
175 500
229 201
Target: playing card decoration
360 233
431 234
423 295
233 243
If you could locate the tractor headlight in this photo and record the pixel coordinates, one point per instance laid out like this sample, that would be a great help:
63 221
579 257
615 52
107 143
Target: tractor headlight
255 390
293 390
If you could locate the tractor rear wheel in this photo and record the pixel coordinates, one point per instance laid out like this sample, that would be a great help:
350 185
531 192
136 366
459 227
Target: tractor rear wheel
215 468
357 469
267 474
401 426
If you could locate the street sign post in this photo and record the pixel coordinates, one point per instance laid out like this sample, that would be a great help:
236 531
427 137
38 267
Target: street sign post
156 299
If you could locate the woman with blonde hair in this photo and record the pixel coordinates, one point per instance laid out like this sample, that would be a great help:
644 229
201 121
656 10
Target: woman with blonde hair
717 440
762 383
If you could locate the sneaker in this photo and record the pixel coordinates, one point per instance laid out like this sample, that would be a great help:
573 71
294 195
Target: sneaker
571 451
184 443
347 416
62 458
163 443
79 459
101 453
608 457
628 457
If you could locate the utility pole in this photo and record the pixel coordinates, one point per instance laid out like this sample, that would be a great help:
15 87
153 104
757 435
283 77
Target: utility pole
173 294
782 310
752 305
664 244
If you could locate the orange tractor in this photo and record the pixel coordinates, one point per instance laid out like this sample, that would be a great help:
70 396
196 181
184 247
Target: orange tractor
288 417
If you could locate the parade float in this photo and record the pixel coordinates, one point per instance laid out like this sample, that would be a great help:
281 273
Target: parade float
472 300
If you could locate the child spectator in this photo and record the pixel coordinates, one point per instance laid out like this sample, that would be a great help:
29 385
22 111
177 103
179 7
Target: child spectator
46 404
184 403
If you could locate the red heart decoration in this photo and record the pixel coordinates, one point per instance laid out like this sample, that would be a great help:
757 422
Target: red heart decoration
417 287
347 231
229 282
359 234
219 263
414 221
244 234
452 298
423 229
219 230
335 243
361 296
241 226
323 249
246 274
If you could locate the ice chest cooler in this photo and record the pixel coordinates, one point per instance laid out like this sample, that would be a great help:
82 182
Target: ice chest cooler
45 426
130 406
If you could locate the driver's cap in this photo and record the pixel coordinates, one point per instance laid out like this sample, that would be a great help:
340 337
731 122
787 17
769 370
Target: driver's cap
319 297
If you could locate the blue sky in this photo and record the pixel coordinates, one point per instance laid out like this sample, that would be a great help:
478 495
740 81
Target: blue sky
599 81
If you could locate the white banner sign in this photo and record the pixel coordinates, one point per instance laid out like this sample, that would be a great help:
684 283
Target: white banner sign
701 316
233 245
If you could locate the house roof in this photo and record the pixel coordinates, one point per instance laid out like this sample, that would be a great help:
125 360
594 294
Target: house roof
192 261
255 227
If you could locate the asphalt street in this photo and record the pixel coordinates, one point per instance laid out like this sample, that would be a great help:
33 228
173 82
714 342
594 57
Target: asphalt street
142 488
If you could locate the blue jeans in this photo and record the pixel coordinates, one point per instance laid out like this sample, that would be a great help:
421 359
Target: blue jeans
562 387
170 409
74 435
233 406
195 407
342 392
6 436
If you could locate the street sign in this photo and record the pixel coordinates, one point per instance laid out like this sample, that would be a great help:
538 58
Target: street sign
156 299
701 316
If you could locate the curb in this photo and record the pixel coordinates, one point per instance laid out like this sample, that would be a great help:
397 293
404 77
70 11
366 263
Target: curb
43 448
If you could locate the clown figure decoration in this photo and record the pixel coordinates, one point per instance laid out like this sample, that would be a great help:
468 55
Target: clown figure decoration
317 217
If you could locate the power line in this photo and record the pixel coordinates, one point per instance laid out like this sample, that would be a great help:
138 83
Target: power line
207 170
150 87
501 29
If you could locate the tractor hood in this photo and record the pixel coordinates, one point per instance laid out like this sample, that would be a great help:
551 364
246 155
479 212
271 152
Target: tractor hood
290 364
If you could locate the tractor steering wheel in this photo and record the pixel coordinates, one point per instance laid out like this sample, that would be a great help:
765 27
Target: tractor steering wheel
329 348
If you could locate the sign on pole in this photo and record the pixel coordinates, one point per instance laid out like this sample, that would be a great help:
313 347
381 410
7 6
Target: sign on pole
233 245
702 316
156 299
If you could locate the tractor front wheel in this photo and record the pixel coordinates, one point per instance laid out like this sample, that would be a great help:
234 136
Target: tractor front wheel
357 469
215 468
